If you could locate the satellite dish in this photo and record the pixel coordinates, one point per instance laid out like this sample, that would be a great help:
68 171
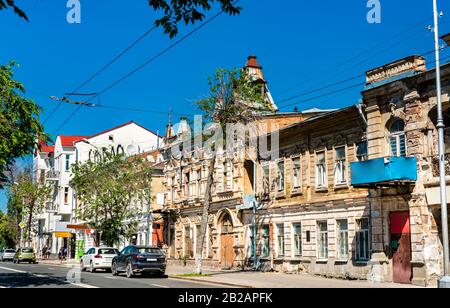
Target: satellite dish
132 149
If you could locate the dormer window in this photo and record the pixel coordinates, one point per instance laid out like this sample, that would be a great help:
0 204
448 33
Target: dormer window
397 139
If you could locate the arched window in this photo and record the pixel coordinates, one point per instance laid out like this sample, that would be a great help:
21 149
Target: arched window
227 224
397 139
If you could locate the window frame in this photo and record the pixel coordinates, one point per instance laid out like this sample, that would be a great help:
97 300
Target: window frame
395 137
319 244
297 251
367 235
297 187
342 164
339 234
281 177
281 240
67 162
324 186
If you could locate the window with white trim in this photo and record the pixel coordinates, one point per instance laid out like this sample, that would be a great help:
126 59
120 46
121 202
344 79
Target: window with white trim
362 240
342 239
280 240
397 139
340 168
297 235
280 176
321 171
265 253
296 173
322 240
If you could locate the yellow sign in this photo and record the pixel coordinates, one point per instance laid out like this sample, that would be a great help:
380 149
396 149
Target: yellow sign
63 234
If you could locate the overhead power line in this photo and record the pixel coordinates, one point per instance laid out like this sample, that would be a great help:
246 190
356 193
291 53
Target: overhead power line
367 51
101 70
336 83
336 91
186 36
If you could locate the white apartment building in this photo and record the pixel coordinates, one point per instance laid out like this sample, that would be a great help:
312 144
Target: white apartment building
57 225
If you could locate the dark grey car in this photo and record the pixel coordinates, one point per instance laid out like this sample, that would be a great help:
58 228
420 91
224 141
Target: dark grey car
143 260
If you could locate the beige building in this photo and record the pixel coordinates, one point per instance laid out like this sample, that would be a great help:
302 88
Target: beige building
400 103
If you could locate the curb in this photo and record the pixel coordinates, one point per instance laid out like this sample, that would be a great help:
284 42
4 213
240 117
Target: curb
211 282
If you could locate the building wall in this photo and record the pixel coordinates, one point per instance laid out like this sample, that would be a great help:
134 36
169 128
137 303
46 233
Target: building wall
413 100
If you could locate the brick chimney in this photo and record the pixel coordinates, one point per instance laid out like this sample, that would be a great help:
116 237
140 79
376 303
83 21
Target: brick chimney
411 64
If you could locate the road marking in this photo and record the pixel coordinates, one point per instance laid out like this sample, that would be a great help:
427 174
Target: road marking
82 285
51 268
109 277
159 286
12 270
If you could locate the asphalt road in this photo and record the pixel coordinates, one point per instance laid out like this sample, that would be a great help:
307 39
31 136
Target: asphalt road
49 276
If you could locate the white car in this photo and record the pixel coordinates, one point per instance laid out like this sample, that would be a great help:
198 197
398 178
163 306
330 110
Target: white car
7 255
98 258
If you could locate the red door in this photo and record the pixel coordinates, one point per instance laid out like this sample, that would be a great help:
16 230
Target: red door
401 247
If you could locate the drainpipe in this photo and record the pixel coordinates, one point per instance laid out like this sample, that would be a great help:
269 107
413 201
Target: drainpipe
369 196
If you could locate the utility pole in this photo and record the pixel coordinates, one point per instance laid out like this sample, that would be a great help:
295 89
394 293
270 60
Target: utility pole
445 281
149 215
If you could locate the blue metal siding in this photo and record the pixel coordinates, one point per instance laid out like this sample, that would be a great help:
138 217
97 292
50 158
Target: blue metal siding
384 170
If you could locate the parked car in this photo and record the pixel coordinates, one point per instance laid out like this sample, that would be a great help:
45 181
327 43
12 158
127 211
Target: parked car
7 255
98 258
134 260
24 255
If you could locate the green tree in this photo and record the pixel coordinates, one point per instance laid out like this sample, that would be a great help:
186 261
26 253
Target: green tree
174 11
234 98
187 11
20 127
5 4
29 198
112 192
8 232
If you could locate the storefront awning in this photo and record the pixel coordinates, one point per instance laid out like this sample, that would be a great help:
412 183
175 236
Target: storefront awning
63 234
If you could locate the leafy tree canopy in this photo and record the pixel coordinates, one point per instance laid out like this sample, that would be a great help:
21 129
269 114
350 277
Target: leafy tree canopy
188 11
175 11
112 191
5 4
20 128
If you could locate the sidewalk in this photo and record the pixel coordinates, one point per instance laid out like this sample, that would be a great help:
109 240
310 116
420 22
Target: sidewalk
274 280
66 263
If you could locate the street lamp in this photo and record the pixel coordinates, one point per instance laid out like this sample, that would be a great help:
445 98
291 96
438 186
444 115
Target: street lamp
445 281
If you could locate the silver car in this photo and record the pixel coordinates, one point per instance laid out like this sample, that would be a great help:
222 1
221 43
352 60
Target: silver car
7 255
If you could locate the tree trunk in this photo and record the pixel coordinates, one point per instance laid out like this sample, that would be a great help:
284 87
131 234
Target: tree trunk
205 215
30 219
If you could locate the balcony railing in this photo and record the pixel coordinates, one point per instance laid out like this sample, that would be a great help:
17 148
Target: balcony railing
51 207
52 175
384 171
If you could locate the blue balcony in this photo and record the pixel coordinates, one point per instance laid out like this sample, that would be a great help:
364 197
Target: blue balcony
384 171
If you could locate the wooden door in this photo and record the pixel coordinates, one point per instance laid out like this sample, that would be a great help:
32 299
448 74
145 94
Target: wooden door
227 257
401 247
227 243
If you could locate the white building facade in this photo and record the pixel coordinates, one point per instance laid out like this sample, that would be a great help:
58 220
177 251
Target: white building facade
58 226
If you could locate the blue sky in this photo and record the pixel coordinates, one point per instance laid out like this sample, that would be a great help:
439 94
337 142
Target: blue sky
294 40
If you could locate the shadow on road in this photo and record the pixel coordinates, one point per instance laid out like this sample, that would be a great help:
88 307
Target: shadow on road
24 280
